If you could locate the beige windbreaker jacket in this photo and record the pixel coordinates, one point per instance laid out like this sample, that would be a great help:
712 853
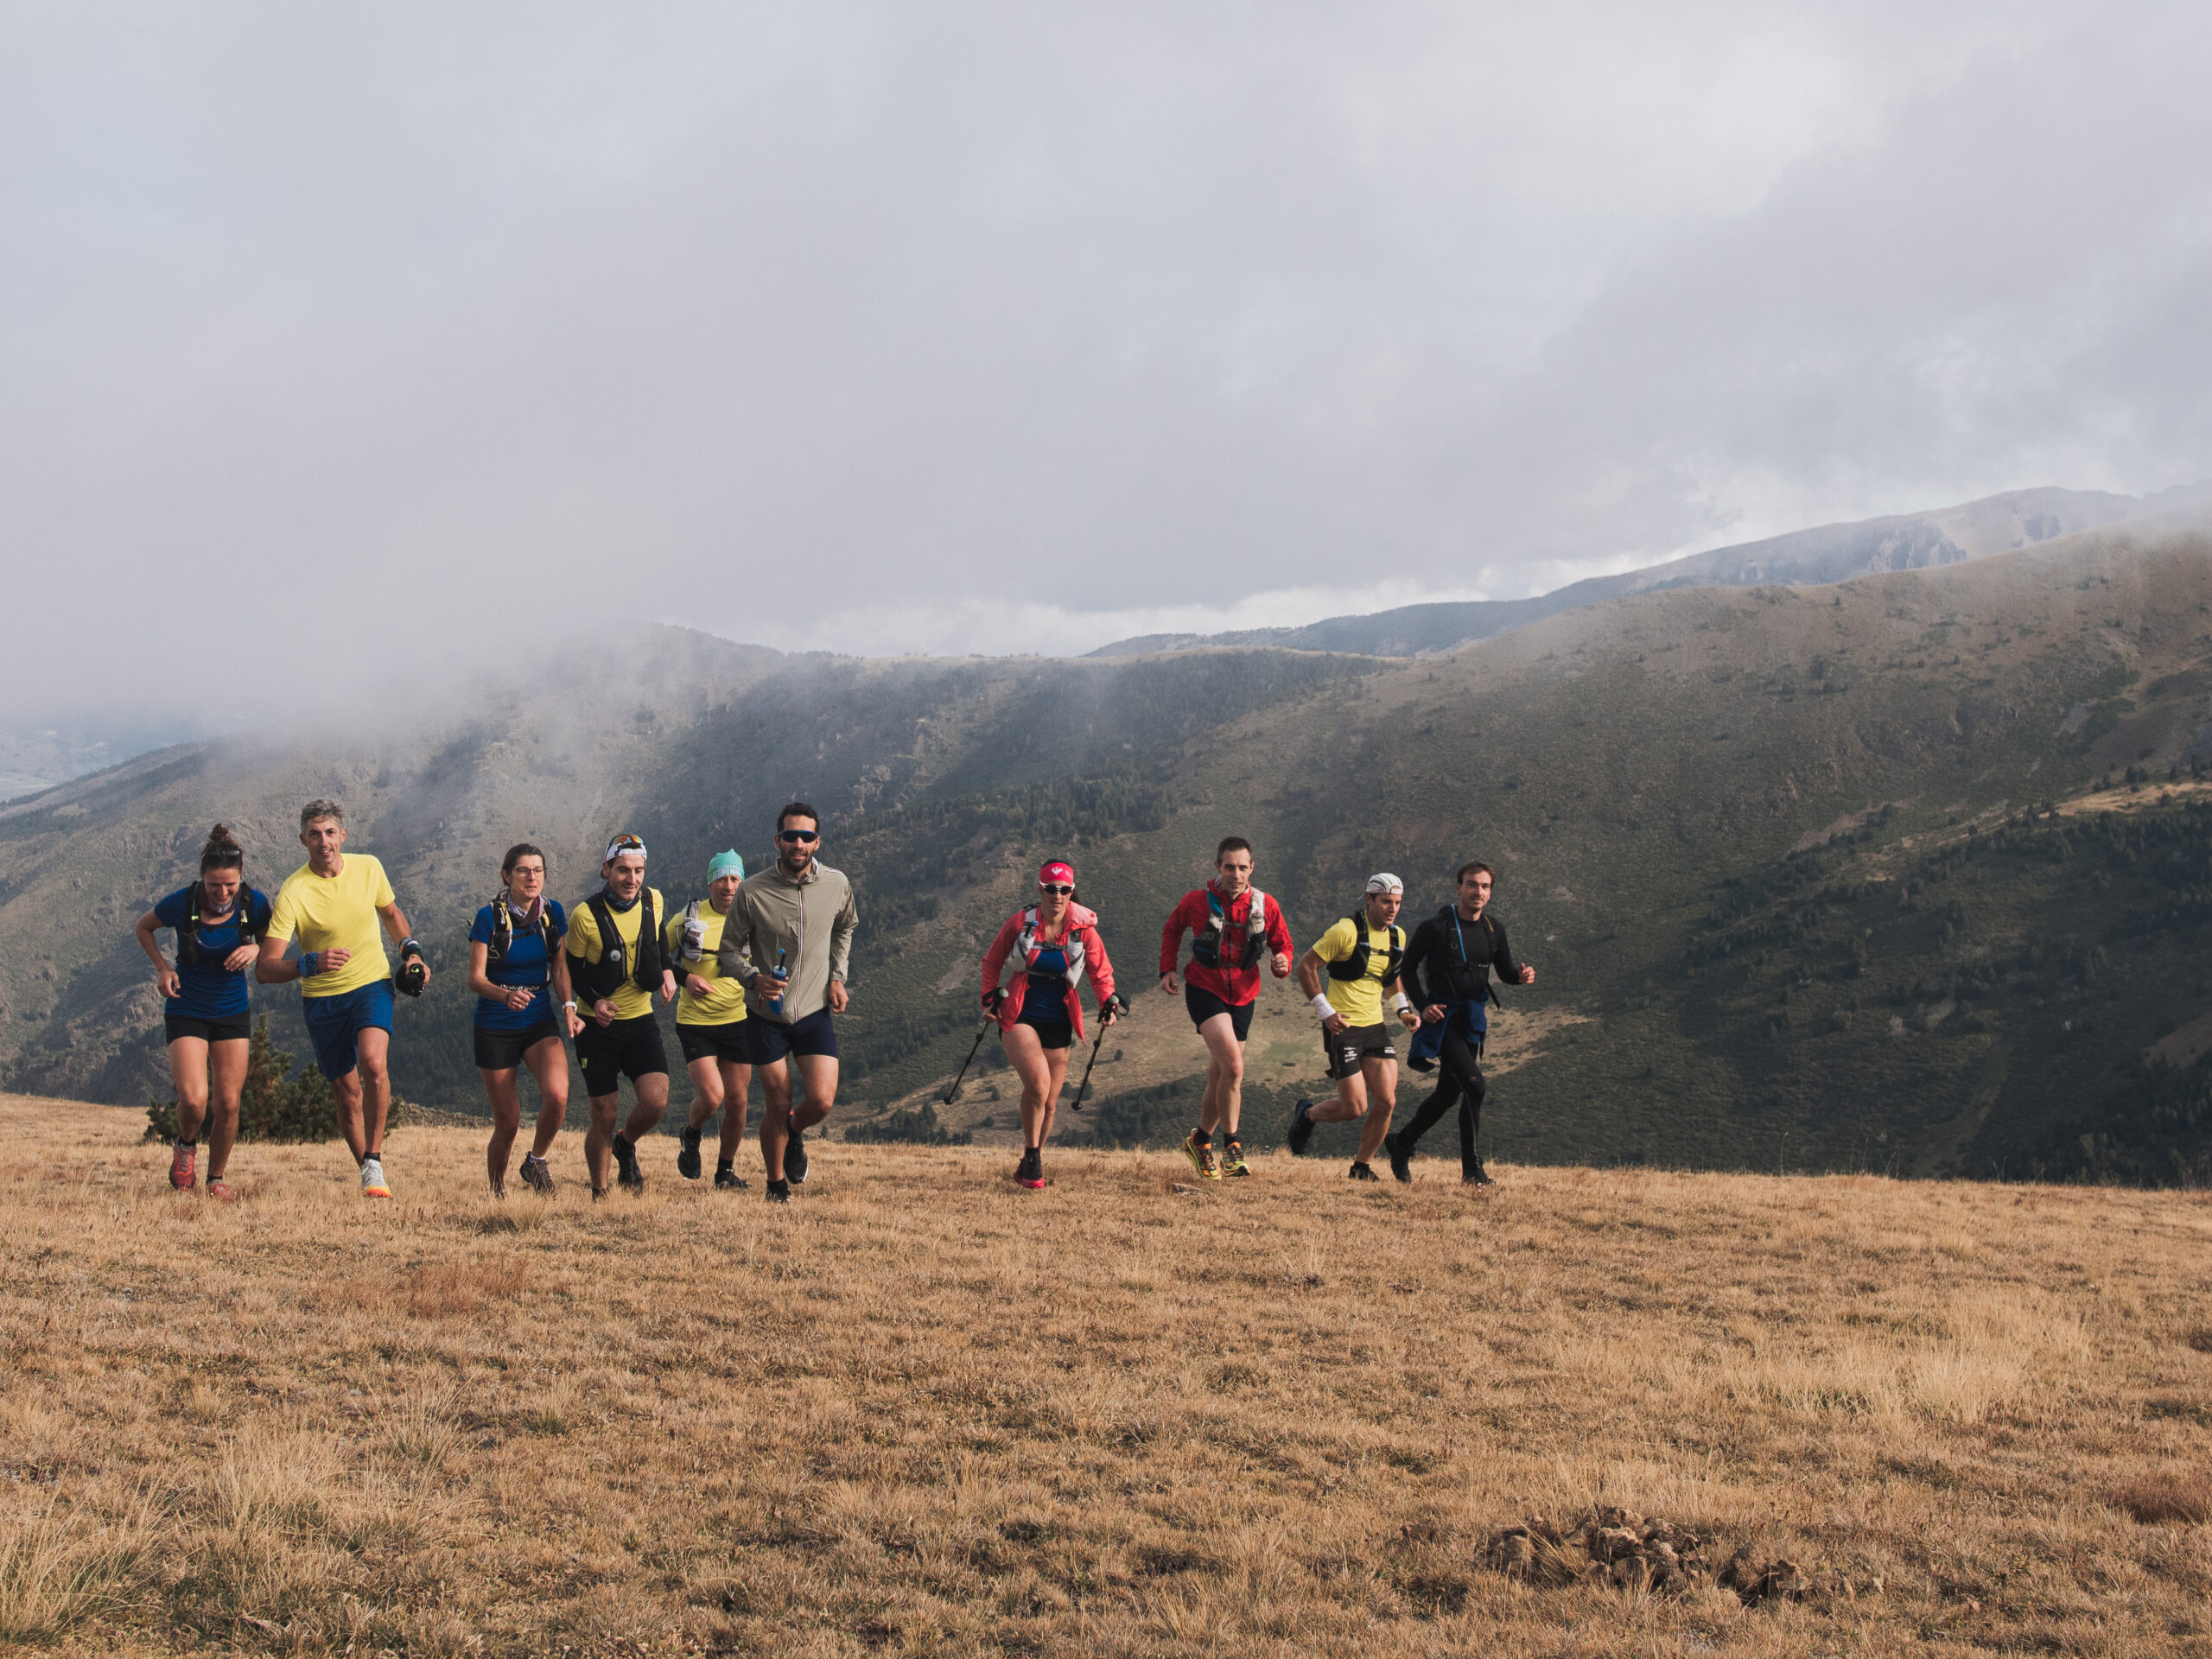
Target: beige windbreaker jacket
811 920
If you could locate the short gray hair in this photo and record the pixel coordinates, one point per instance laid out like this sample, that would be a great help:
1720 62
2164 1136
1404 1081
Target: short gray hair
319 808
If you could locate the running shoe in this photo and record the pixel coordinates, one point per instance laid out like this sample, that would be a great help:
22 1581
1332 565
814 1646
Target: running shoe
1030 1172
687 1156
1362 1173
1476 1176
374 1185
183 1163
1402 1161
218 1189
499 1192
536 1176
599 1192
795 1158
727 1179
1301 1128
1204 1163
626 1172
779 1191
1232 1160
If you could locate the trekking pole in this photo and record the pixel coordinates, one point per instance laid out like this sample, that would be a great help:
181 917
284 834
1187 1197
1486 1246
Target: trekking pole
1120 1005
981 1031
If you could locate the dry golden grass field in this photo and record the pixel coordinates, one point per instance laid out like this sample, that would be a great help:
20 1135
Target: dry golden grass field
923 1411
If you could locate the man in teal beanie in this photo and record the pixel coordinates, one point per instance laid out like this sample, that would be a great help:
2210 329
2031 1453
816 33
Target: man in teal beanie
710 1023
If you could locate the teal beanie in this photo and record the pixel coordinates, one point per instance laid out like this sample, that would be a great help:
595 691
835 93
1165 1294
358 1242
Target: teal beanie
724 864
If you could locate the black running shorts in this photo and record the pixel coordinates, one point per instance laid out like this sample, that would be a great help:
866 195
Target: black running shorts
1357 1043
1051 1033
1202 1006
629 1048
772 1039
726 1043
226 1028
502 1051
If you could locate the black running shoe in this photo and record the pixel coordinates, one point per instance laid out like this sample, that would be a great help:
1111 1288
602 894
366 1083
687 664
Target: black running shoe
1362 1173
1030 1172
779 1191
627 1174
687 1156
727 1179
795 1158
1401 1159
535 1172
1476 1176
1301 1128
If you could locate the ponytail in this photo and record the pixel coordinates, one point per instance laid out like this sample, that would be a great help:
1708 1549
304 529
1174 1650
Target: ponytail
222 851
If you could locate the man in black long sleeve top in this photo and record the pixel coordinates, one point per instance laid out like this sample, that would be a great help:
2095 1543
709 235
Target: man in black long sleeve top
1446 969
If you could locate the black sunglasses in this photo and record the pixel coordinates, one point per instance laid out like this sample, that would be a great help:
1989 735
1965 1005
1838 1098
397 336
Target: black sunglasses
798 835
1061 887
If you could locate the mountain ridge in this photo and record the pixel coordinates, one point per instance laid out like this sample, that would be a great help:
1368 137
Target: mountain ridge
1817 557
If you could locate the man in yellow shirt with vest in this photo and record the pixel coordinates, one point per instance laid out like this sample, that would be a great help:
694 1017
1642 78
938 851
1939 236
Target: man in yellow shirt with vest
1359 957
333 903
710 1023
616 962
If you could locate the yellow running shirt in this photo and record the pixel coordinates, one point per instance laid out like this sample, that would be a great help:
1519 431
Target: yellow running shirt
1360 1001
630 999
727 1006
336 912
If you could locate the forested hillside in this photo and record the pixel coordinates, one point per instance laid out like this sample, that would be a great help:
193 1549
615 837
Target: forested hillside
1785 856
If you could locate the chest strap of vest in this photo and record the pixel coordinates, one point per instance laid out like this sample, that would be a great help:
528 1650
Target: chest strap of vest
617 963
187 936
1355 965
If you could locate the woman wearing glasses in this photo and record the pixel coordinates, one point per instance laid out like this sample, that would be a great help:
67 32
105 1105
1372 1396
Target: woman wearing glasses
515 960
1031 976
218 920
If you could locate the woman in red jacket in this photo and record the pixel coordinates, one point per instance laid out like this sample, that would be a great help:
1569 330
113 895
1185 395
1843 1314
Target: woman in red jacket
1031 977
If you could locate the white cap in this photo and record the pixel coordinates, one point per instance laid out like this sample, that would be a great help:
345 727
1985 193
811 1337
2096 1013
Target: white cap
1383 882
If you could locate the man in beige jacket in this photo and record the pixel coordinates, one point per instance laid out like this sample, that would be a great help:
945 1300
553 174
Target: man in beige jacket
788 937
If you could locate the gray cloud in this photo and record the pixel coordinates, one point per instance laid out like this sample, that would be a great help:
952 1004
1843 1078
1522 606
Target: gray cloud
1005 327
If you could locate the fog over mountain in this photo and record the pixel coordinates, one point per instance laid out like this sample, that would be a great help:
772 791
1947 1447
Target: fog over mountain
371 341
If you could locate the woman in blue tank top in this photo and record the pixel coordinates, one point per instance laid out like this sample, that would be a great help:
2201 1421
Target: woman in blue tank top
524 1010
219 922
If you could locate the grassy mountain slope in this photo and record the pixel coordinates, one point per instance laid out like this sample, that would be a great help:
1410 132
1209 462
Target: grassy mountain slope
1658 777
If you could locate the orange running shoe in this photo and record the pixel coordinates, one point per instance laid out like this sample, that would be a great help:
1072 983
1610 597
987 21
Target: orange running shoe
183 1163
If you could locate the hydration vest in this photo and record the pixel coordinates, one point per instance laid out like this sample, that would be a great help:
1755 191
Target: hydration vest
1355 965
187 936
1205 947
1462 972
1025 947
503 930
618 963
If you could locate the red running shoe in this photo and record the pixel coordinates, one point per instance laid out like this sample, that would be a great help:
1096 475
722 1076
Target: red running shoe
184 1162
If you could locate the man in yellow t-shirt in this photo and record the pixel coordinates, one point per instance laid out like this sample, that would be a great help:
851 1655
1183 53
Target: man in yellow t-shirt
710 1023
332 904
616 961
1359 957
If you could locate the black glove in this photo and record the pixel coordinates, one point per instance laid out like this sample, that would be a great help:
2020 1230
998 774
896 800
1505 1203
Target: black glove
992 1000
412 974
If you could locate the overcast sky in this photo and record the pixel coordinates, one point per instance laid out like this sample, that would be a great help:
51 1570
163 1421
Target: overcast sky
958 327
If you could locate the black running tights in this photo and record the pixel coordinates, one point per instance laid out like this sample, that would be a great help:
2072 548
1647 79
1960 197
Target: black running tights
1458 1079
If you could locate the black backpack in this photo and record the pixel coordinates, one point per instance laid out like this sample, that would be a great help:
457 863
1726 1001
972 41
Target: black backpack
187 936
1355 965
617 963
503 930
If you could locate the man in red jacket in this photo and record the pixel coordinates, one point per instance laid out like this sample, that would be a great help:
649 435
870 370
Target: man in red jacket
1234 926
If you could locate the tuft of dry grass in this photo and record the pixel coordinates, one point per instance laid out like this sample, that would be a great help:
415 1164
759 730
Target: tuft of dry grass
924 1411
